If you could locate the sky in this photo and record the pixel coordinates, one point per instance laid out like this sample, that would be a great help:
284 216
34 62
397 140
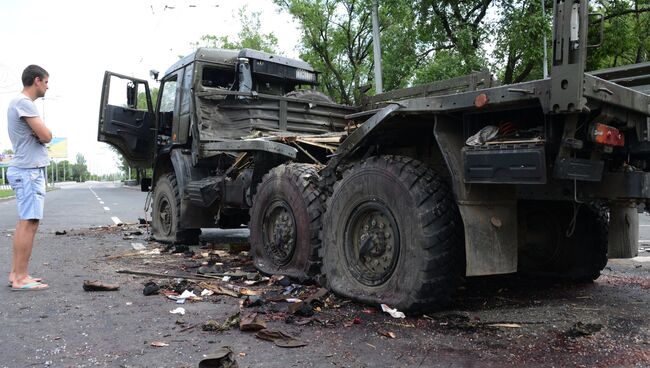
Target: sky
77 41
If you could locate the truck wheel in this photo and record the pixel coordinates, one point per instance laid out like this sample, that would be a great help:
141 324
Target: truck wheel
392 234
165 223
310 95
552 244
285 222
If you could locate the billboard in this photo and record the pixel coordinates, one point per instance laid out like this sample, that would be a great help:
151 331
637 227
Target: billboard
58 148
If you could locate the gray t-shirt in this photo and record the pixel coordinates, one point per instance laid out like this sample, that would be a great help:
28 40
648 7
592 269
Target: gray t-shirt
29 152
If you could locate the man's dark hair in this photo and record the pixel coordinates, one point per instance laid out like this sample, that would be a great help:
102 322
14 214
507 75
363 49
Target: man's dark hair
32 72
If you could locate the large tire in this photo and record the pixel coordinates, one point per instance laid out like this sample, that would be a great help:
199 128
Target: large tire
285 222
392 234
552 244
166 218
310 95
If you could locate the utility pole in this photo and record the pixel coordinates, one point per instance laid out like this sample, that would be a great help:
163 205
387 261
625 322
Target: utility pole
545 65
376 46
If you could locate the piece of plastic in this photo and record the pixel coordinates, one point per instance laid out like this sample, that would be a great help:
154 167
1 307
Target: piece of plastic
393 312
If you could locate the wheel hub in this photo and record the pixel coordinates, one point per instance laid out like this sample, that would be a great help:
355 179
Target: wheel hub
372 243
280 232
165 215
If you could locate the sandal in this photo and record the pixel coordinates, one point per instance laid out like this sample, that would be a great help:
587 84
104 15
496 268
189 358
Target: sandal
31 286
34 279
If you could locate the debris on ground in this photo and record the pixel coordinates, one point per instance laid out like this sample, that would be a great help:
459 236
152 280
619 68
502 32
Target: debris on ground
580 329
280 338
251 322
393 312
138 246
62 232
150 288
221 358
386 333
179 310
159 344
96 285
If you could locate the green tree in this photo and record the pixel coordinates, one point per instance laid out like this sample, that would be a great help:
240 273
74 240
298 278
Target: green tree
626 34
80 169
520 30
142 98
249 36
337 40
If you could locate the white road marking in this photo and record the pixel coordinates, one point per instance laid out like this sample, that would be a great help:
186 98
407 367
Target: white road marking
116 220
106 209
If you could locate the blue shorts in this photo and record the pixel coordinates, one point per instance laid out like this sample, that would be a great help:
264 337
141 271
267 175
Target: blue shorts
29 185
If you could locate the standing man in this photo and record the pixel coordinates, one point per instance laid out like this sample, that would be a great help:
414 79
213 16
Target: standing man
26 173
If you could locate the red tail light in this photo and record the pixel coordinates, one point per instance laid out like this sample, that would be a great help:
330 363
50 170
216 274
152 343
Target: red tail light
607 135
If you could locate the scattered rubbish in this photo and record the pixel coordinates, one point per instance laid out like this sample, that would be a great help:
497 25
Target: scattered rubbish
301 309
388 334
251 322
221 358
180 299
96 285
293 300
225 279
207 292
255 282
280 338
253 301
138 246
218 289
211 325
505 325
142 221
280 280
179 310
159 344
393 312
580 329
62 232
150 288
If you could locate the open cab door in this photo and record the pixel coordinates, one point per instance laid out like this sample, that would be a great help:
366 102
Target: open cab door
126 118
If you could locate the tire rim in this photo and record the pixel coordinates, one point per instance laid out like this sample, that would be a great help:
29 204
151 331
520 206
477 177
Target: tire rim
372 243
279 229
166 215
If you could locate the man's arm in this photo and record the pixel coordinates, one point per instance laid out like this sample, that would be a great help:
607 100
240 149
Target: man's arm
42 132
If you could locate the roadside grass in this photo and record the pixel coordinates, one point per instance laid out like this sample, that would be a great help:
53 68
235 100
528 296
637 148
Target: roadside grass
4 193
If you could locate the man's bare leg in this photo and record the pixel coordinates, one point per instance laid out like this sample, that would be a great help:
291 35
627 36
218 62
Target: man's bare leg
23 243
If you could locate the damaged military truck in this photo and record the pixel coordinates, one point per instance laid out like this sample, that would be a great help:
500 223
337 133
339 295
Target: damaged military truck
397 200
235 137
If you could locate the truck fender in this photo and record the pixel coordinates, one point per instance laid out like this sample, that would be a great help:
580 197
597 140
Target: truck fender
489 212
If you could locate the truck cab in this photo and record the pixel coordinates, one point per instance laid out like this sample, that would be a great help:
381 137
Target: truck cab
222 119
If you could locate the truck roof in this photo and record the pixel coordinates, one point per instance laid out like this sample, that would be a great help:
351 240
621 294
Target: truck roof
229 57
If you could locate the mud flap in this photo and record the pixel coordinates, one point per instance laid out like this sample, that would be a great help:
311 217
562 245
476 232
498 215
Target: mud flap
490 237
623 230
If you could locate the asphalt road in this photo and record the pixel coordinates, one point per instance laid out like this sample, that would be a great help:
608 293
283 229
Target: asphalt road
495 322
82 205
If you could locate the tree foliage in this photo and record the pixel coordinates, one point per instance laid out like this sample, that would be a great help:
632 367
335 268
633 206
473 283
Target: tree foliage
436 39
79 169
249 36
337 40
